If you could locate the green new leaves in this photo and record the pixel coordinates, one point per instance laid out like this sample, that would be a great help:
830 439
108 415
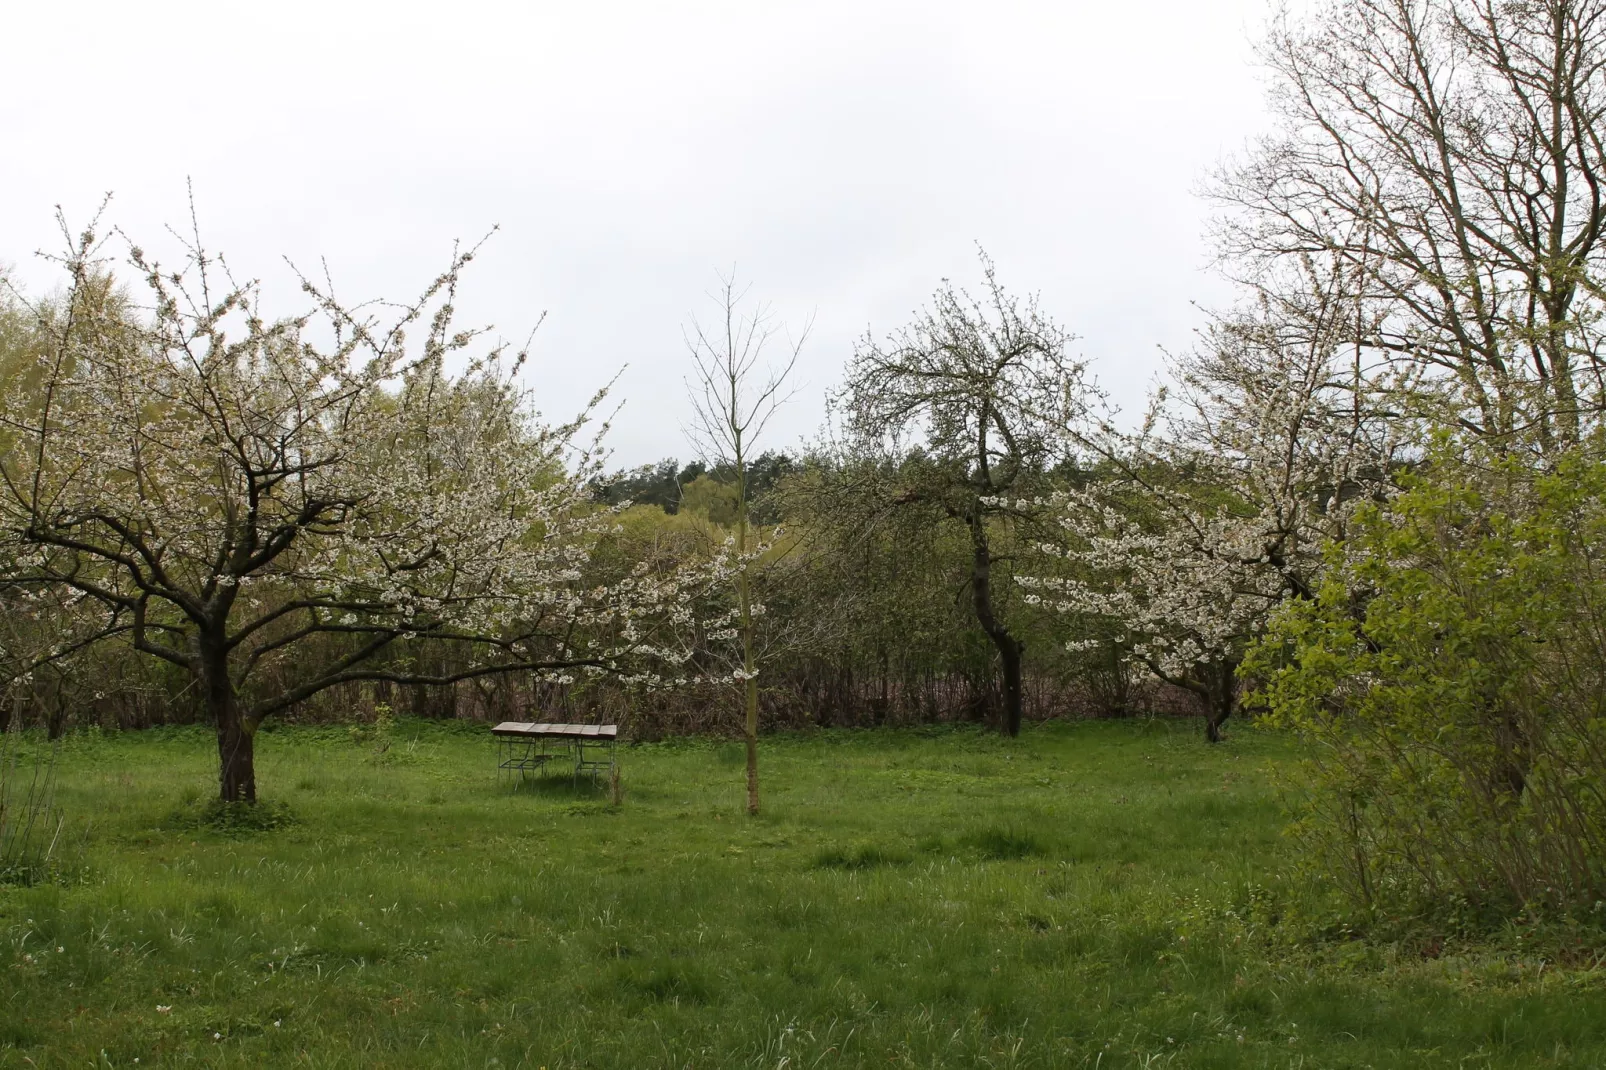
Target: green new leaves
1452 673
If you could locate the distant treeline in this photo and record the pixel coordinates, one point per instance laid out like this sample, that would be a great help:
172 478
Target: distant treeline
668 485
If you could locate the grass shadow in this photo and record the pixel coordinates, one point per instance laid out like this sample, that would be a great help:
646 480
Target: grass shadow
583 788
1003 844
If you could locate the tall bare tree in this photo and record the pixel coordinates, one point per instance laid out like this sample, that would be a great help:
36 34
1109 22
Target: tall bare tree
975 400
1455 152
734 391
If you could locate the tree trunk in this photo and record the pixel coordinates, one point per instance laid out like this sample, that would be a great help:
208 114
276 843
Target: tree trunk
1010 654
235 738
1219 702
884 699
749 668
236 761
1009 648
751 727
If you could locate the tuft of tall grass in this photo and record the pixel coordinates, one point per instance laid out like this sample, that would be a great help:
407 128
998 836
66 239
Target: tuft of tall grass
30 822
861 856
999 844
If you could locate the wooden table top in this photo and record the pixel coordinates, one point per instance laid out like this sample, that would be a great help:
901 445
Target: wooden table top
564 731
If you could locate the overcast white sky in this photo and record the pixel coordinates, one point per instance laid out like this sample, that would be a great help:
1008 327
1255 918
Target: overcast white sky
844 157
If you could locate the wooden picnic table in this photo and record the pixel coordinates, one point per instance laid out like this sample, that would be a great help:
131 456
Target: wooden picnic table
529 746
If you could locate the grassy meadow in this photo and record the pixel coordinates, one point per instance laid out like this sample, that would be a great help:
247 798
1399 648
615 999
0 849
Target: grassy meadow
1103 895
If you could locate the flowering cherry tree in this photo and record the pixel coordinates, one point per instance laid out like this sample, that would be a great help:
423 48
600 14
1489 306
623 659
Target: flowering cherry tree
983 389
1190 531
280 506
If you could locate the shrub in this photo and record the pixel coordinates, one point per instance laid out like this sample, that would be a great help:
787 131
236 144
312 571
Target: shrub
1451 675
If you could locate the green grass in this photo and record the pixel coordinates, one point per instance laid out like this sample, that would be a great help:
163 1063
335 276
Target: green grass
1094 895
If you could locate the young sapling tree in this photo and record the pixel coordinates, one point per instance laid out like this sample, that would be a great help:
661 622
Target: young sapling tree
734 391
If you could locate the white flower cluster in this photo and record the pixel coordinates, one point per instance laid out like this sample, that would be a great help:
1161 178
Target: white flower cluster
226 488
1183 542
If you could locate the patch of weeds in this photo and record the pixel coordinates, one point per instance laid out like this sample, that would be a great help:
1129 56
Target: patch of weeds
1003 844
231 819
30 874
15 1033
388 748
860 856
793 914
380 733
583 810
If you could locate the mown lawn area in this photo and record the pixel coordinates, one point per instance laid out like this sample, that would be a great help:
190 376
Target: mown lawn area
1099 894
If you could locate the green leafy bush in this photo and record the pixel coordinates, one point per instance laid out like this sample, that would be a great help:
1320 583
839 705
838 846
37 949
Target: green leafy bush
238 819
1451 674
